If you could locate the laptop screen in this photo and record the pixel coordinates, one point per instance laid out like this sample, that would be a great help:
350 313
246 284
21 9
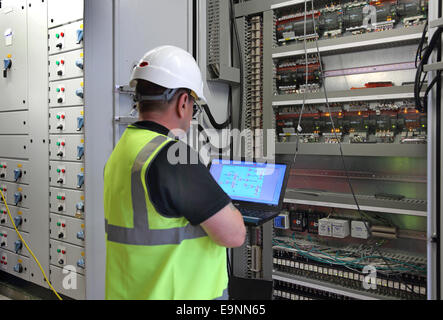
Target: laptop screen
250 181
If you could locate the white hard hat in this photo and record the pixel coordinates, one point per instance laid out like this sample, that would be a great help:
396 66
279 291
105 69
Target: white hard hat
170 67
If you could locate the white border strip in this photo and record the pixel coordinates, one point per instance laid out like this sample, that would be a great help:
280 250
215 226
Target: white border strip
323 288
346 99
354 207
287 4
349 45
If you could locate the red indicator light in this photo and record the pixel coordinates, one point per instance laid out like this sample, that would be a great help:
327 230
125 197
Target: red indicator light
143 64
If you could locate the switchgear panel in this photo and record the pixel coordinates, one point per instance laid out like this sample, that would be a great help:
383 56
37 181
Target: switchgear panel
13 55
63 254
14 264
66 65
15 123
67 148
67 175
14 170
66 120
67 229
66 93
64 11
67 202
66 38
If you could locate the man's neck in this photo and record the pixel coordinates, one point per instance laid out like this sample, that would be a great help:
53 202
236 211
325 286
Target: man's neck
158 120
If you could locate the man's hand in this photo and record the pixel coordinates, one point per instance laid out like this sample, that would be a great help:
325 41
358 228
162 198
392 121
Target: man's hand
226 227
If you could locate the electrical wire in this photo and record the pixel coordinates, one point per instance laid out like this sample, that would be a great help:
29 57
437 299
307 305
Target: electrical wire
336 136
27 247
240 56
418 83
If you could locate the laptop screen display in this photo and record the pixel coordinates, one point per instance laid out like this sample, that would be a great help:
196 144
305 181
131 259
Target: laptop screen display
250 181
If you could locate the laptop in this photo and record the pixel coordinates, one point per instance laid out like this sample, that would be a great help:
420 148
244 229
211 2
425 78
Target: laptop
256 187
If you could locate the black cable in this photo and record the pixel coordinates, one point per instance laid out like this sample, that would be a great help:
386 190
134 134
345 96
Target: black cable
240 56
420 49
214 123
418 84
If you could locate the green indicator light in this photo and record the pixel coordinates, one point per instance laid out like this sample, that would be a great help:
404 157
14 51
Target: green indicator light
58 250
57 62
58 143
58 90
58 117
58 224
57 36
58 170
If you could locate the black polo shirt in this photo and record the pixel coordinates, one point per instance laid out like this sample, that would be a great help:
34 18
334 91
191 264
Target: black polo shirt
182 190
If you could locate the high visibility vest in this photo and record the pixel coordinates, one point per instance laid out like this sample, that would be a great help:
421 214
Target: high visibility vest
150 256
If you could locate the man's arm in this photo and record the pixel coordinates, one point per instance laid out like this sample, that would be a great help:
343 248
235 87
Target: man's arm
226 228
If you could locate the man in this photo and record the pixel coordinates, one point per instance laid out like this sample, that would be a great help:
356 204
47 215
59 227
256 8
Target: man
167 225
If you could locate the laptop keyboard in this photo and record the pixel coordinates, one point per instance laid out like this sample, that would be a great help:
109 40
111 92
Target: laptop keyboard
255 213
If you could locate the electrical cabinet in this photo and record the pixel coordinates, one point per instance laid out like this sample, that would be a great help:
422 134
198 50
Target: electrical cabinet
13 54
66 120
66 65
66 38
15 264
336 90
63 254
67 202
66 93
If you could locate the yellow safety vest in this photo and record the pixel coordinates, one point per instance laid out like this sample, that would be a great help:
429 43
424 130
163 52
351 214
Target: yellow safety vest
149 256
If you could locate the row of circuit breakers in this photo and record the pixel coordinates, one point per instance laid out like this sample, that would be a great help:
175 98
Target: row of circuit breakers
343 17
65 162
66 149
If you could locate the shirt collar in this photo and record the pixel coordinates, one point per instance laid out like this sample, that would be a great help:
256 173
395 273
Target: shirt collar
151 126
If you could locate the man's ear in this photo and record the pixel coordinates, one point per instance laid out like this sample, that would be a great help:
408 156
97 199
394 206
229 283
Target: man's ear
181 105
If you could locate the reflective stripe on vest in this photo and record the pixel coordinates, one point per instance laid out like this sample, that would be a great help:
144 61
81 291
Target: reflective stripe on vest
140 234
